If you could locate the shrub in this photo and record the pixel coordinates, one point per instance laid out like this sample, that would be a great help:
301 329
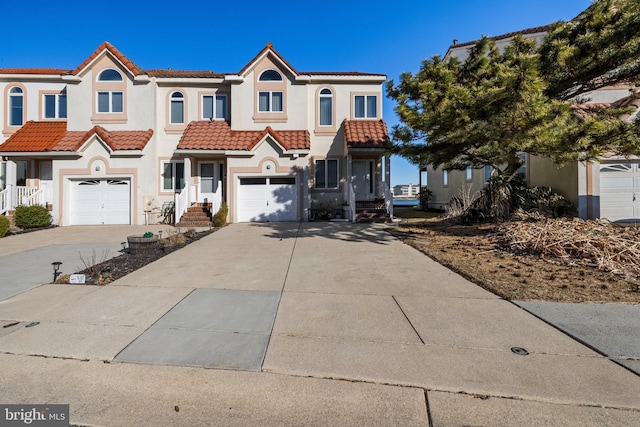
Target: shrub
220 218
425 196
31 216
4 225
548 202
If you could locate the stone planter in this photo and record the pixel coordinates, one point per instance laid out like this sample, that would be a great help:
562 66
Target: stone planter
139 244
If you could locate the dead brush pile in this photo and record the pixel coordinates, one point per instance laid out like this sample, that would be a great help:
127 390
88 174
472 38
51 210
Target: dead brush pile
595 243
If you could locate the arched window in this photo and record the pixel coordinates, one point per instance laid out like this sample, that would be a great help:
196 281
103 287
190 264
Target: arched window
325 107
16 106
177 108
110 75
270 76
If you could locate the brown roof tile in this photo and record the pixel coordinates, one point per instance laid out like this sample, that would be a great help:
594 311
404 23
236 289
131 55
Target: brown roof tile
44 71
115 52
35 136
53 136
365 133
217 135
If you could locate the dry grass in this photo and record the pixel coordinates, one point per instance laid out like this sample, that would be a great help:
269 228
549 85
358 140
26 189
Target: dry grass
483 255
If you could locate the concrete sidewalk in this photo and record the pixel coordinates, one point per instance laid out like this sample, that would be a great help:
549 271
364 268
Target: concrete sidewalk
358 329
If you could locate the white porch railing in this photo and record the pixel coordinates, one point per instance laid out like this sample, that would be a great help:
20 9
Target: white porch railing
217 198
182 201
388 200
352 203
35 198
5 200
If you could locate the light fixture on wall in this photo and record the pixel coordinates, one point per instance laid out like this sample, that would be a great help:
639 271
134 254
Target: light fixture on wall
268 167
98 168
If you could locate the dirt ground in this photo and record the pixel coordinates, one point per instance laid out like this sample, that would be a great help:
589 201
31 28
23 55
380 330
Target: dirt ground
473 252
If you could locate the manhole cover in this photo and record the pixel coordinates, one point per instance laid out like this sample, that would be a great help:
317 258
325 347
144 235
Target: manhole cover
519 351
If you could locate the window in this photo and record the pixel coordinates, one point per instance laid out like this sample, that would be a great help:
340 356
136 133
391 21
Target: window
16 107
177 108
445 178
326 174
55 106
110 102
269 101
214 107
110 75
522 172
270 76
172 176
365 106
468 173
325 107
487 173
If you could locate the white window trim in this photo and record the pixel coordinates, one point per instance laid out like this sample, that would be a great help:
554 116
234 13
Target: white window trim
271 110
367 115
330 97
326 174
215 106
20 95
109 81
181 100
110 92
56 114
173 175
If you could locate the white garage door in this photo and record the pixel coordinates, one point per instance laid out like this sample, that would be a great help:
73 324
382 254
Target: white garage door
620 191
267 199
100 201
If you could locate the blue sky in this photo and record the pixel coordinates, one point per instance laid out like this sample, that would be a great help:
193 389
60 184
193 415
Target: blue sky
348 35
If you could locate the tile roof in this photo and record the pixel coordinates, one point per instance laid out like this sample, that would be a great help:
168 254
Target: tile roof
183 74
53 136
115 52
217 135
532 30
35 136
44 71
365 133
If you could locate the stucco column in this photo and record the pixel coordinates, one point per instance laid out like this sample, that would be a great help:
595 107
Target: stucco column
10 182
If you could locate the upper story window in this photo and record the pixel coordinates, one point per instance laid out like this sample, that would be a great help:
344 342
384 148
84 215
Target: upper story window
445 178
55 105
270 76
177 108
325 107
16 106
110 102
468 174
110 75
270 101
214 107
109 93
365 106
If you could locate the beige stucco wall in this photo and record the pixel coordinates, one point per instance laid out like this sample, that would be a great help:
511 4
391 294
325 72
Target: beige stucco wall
458 185
563 179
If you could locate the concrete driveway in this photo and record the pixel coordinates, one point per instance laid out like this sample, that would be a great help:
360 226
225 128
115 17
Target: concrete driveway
301 324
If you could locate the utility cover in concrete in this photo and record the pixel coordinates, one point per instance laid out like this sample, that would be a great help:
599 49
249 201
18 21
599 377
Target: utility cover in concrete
213 328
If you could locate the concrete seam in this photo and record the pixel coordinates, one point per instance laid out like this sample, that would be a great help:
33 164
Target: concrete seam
426 403
407 317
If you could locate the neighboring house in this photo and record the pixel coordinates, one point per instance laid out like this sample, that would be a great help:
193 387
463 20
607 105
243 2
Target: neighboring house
111 143
408 191
608 189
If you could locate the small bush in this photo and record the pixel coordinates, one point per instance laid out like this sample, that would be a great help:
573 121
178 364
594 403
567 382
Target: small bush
548 202
31 216
425 196
220 218
4 225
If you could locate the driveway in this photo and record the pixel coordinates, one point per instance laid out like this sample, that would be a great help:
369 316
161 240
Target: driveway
305 324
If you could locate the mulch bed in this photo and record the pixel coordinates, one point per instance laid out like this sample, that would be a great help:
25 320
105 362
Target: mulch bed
119 266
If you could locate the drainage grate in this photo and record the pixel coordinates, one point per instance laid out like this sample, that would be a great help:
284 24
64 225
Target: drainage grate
519 351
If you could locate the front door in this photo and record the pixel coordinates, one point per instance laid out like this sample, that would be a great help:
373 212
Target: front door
207 182
362 179
46 180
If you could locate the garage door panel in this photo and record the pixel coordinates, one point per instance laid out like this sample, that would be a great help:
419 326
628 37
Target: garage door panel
267 199
619 188
104 201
